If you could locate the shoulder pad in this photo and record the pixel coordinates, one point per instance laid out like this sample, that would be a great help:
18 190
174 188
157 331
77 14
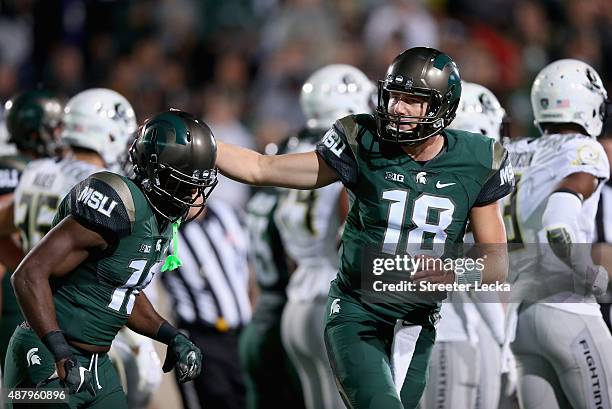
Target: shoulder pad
120 186
585 155
499 155
104 203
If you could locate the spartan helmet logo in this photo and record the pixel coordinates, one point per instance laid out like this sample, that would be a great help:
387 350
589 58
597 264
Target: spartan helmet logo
420 178
32 358
335 307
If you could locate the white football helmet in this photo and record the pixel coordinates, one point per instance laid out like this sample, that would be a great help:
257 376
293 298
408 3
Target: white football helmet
335 91
569 91
101 120
479 111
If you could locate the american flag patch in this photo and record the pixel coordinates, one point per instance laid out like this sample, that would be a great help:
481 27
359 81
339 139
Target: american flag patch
562 103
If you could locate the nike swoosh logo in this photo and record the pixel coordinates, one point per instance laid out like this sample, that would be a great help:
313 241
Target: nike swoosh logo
441 185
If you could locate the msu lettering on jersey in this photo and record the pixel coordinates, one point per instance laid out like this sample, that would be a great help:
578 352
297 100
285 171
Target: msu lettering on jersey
42 186
95 300
402 206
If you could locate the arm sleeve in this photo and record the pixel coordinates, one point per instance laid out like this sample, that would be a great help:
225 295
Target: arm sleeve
337 153
99 207
499 184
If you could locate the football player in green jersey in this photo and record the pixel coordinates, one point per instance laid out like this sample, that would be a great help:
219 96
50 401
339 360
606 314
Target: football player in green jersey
33 123
413 185
83 281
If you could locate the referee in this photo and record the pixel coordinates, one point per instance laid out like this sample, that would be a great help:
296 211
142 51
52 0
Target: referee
210 296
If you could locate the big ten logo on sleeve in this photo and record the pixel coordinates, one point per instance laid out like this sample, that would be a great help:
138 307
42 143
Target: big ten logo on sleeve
333 142
97 201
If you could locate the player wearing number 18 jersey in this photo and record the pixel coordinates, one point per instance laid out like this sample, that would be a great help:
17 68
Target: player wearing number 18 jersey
413 184
83 281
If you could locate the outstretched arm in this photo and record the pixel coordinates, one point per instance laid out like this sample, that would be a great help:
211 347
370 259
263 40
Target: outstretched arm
296 170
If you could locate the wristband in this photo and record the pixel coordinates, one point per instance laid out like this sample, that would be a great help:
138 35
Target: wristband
471 276
56 343
166 333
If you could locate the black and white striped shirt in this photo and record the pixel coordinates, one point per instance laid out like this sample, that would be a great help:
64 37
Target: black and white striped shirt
211 287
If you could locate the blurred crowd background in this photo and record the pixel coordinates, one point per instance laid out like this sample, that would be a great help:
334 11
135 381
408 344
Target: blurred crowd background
239 64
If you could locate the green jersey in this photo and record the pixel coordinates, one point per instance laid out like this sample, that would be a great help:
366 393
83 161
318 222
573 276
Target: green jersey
401 206
95 300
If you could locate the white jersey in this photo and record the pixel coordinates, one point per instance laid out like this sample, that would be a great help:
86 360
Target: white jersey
540 165
308 223
42 186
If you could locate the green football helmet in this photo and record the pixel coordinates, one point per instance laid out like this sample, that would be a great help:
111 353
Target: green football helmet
419 72
33 120
174 163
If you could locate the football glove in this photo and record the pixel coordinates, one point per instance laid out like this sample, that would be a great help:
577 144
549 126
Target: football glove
185 357
77 378
597 279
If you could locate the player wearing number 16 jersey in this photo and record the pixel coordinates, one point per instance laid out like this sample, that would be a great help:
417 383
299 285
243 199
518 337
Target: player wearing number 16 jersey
83 281
413 184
